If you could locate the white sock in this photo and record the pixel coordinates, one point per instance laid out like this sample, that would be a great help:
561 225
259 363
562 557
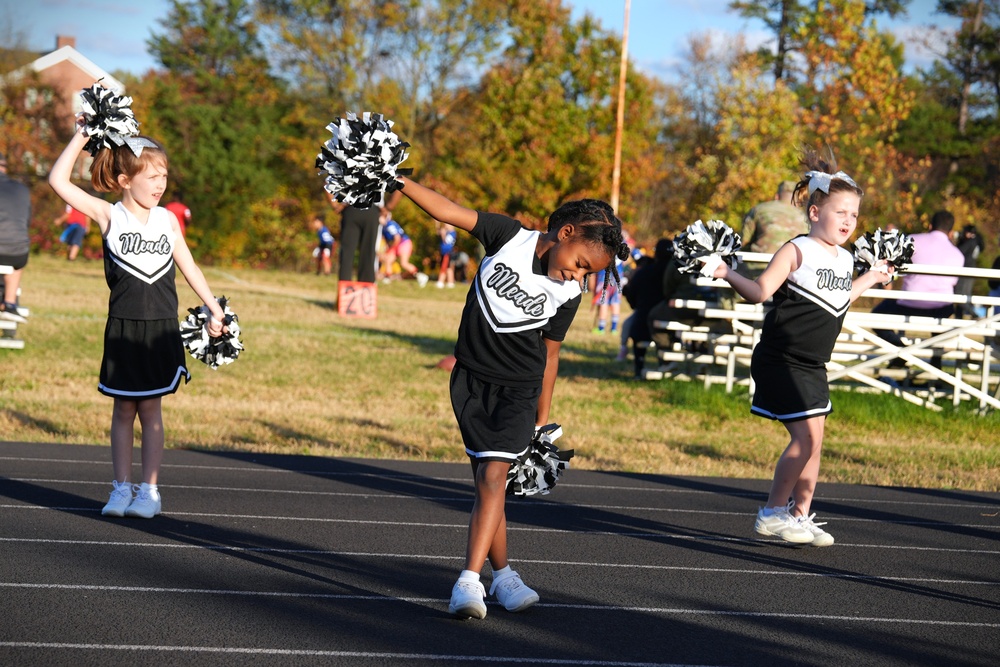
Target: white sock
468 575
502 571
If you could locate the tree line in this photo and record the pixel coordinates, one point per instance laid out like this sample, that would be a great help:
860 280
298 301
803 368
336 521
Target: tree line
510 106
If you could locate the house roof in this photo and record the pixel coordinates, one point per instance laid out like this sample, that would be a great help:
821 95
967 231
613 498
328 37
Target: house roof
68 53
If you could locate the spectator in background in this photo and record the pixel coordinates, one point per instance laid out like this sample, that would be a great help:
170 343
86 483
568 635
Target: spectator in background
180 211
933 247
460 262
449 237
15 216
643 291
771 224
994 284
324 246
359 231
971 244
398 248
77 225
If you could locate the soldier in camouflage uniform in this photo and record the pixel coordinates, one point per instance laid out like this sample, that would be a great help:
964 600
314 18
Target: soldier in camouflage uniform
769 225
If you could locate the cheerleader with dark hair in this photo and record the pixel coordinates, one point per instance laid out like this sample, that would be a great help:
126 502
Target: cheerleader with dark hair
521 304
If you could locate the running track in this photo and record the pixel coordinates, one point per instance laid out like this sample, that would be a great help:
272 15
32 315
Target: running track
278 560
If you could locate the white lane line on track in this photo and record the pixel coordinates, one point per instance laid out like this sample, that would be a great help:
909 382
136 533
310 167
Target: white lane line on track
537 502
542 605
360 655
533 561
987 502
525 529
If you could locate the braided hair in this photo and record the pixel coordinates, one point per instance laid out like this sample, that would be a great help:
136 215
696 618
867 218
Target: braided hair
597 225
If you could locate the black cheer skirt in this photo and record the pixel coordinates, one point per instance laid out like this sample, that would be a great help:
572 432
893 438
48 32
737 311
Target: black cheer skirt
142 359
788 388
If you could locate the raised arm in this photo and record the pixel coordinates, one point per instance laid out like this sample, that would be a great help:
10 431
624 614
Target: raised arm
438 206
785 261
93 207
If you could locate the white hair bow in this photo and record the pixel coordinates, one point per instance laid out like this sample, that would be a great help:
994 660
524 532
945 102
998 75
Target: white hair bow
135 144
820 180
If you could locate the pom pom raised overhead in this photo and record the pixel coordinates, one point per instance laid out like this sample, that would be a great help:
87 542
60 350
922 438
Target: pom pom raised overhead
108 118
361 161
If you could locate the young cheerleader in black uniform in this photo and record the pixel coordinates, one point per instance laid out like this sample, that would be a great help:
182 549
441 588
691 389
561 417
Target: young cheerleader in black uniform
810 278
522 301
143 355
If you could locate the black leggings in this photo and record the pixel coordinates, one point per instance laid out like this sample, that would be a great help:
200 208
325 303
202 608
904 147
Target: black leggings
358 234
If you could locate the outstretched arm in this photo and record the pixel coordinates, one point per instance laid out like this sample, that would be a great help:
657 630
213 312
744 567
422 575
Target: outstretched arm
783 263
438 206
94 208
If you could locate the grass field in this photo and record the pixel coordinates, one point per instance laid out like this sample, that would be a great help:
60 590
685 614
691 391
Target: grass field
311 382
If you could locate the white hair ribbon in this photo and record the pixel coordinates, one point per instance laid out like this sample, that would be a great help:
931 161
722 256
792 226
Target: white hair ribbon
135 144
820 180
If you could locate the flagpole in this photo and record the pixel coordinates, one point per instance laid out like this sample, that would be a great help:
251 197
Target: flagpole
616 172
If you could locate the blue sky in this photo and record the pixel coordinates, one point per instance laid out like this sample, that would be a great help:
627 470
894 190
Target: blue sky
113 33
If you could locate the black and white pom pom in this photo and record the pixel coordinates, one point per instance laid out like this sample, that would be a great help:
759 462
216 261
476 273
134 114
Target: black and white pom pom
217 351
538 469
893 246
360 161
703 245
108 117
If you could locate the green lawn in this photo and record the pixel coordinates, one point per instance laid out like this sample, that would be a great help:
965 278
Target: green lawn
311 382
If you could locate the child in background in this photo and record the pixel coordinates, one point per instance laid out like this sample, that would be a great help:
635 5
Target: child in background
522 302
324 250
398 246
143 354
449 237
608 300
810 278
77 225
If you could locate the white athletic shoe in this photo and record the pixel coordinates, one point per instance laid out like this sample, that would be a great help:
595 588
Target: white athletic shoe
779 522
512 593
121 498
468 600
146 504
821 538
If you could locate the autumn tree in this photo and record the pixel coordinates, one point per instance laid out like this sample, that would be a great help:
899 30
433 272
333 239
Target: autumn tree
32 128
540 128
217 110
854 98
785 19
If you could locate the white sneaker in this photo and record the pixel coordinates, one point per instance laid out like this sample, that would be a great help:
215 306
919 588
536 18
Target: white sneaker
821 538
440 285
468 599
121 498
146 504
779 522
422 279
512 593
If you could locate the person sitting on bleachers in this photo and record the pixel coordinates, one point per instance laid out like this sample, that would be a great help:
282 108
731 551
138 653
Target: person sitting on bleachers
933 247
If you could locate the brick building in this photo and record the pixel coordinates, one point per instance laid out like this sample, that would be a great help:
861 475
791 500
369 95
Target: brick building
64 73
